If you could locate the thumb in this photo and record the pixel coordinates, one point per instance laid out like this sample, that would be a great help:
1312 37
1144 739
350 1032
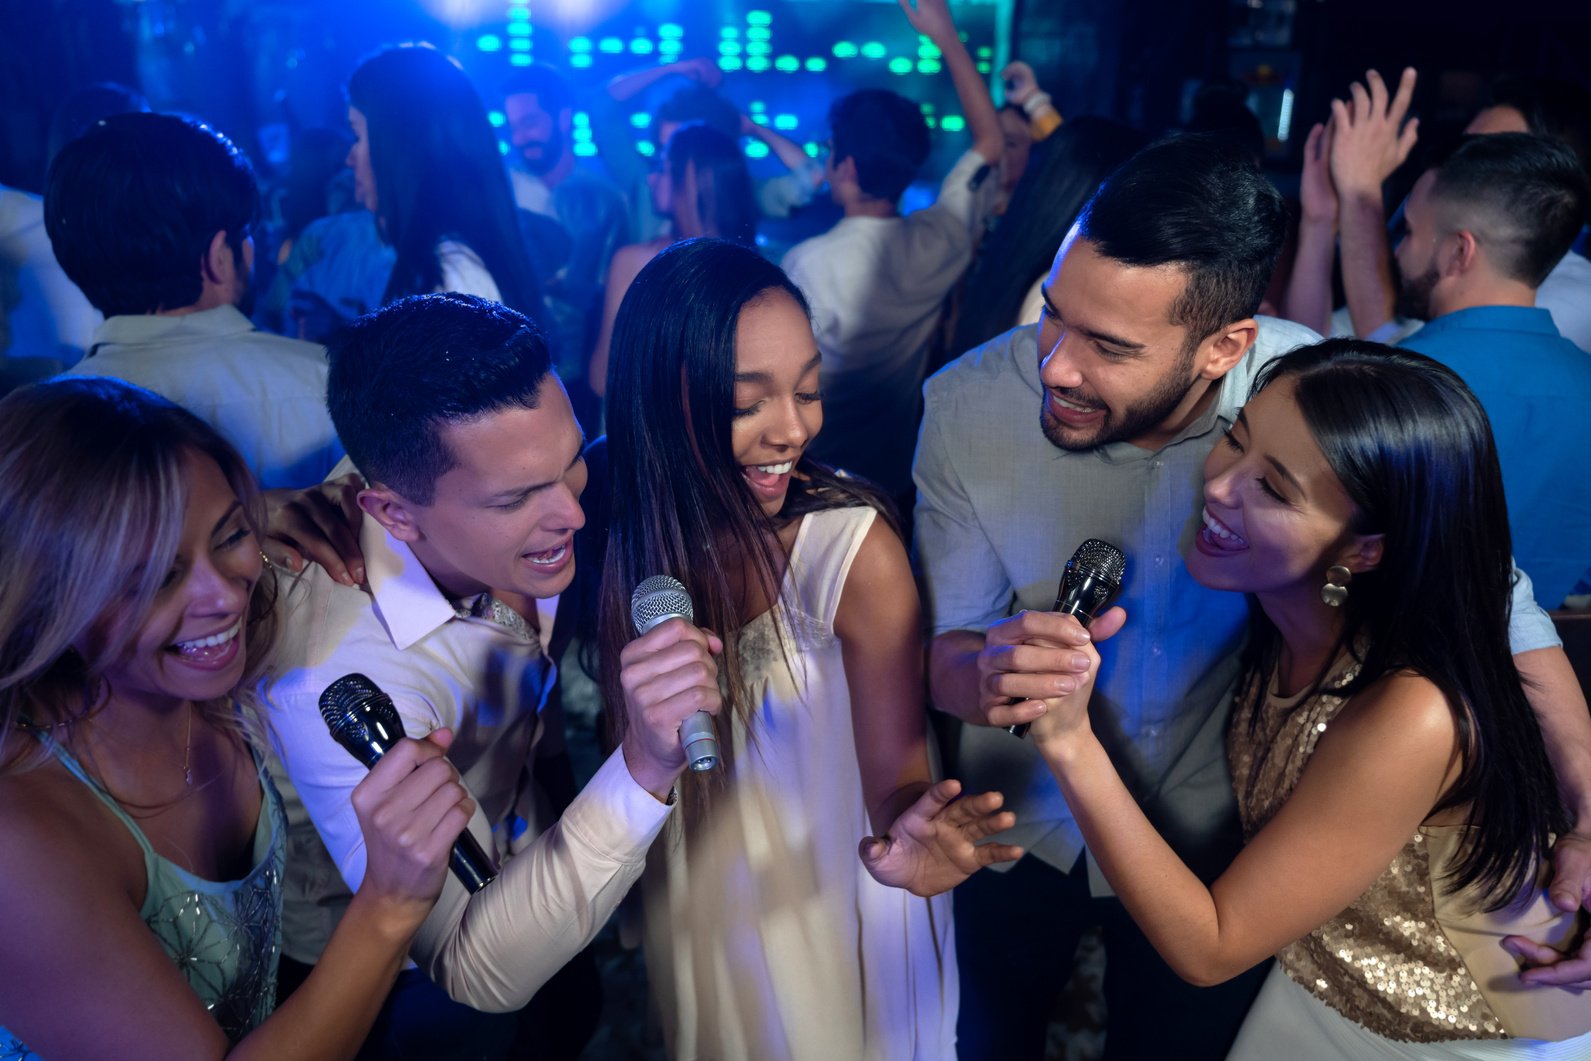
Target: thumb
1107 625
442 738
873 849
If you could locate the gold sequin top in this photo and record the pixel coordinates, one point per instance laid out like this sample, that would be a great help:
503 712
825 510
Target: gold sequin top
1406 959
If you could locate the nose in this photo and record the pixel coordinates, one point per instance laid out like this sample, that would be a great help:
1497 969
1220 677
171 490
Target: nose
1058 369
792 429
348 159
222 588
1220 485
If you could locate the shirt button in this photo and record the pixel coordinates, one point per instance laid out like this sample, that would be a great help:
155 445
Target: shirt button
1159 560
1154 650
1156 463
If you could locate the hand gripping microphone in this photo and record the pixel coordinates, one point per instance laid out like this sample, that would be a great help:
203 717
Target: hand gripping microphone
363 719
655 601
1090 585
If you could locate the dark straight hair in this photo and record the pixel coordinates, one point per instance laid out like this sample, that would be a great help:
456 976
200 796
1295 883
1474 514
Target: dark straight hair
439 173
725 204
1064 172
678 503
1413 448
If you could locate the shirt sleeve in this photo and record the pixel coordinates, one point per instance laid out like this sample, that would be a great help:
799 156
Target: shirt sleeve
1529 626
965 586
494 949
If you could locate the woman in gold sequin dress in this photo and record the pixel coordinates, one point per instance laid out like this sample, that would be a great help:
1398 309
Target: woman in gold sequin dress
1393 783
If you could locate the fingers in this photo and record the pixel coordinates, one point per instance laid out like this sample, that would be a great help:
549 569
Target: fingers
989 854
1404 96
1571 873
321 525
1546 967
1004 715
1313 155
1378 92
1109 624
1406 139
1051 627
1361 103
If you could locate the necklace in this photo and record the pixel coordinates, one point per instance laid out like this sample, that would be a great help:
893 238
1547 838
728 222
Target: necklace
187 751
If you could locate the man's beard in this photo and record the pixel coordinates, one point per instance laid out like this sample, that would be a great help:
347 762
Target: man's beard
551 152
1137 420
1414 294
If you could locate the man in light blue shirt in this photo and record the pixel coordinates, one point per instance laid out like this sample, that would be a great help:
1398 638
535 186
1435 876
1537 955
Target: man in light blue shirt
1484 229
1146 351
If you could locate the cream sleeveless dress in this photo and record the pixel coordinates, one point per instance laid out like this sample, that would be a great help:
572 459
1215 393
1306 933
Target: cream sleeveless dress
765 936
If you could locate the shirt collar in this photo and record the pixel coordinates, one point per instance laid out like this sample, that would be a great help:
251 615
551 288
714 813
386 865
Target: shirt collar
407 600
134 328
1495 318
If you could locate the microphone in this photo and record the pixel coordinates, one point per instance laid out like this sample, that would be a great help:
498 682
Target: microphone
363 719
655 601
1090 584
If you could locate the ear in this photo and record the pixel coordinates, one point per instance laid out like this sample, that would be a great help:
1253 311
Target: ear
218 265
845 169
1462 253
392 510
1226 348
1363 553
566 119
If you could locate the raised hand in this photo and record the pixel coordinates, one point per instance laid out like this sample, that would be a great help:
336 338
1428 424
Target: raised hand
1020 82
933 846
668 674
1316 191
318 525
1371 139
701 70
931 18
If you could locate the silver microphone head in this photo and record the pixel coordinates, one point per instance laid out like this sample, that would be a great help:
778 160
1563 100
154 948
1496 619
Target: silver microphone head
657 600
1092 580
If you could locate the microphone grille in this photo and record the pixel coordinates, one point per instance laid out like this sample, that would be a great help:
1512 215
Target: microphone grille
657 598
1100 557
348 696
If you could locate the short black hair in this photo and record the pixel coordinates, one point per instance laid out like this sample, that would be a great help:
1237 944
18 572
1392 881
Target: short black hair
543 82
1523 195
697 103
1199 203
399 374
132 205
884 132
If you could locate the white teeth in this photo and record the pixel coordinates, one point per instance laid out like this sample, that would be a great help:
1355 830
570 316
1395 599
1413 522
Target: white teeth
214 639
775 469
552 557
1063 403
1216 529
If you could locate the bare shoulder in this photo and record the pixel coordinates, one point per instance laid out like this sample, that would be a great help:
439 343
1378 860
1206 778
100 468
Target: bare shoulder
56 835
1402 719
879 586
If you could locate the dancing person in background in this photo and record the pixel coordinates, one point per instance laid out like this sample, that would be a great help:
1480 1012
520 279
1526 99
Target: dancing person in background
704 187
766 936
142 837
1393 781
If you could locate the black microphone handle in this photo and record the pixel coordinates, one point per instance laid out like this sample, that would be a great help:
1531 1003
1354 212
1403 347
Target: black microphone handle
468 861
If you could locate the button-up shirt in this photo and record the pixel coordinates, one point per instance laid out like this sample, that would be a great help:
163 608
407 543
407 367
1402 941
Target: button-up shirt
488 683
999 512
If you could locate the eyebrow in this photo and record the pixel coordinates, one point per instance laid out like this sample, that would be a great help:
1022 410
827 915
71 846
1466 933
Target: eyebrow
1278 465
767 377
222 522
1092 333
514 493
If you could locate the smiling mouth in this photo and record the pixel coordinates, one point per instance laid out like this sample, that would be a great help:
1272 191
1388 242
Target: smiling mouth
549 557
1219 535
205 649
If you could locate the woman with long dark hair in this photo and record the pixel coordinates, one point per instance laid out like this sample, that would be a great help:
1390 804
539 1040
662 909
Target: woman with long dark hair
142 840
427 164
704 189
1392 779
766 936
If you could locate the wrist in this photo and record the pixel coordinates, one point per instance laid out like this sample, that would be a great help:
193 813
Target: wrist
657 778
391 919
